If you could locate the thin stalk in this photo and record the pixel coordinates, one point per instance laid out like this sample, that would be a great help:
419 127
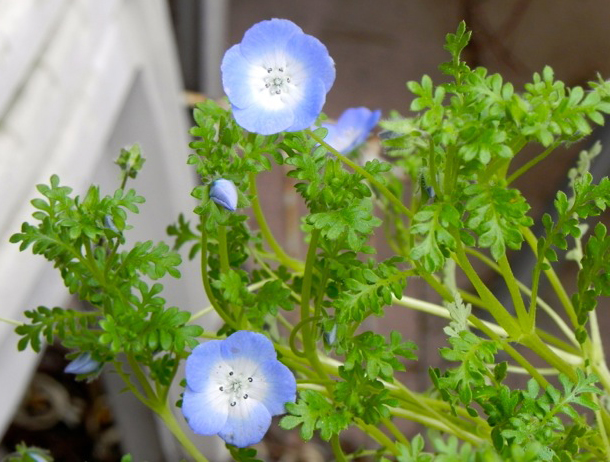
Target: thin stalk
206 280
309 344
551 276
434 423
525 320
284 258
337 450
139 373
357 168
11 321
378 436
494 306
541 303
170 421
524 168
396 433
223 253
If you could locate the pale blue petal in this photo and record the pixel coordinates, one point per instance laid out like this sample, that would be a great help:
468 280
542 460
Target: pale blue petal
279 386
235 70
206 412
224 193
314 57
202 365
267 37
82 364
246 423
352 128
256 119
309 108
251 346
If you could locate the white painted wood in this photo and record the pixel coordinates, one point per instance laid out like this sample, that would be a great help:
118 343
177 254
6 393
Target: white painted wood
90 76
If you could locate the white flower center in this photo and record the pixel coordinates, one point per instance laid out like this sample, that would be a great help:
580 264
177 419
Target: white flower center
235 387
277 81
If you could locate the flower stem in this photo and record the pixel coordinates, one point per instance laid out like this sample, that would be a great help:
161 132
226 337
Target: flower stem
526 321
170 421
309 343
524 168
357 168
223 253
206 280
284 258
337 451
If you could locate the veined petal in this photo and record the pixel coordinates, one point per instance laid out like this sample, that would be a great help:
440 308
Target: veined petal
310 106
204 365
246 345
236 72
267 37
314 57
274 385
246 423
206 412
265 122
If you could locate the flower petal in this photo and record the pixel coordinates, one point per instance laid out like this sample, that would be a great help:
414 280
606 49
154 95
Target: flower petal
206 412
310 106
274 385
235 70
224 193
246 424
246 345
267 37
314 57
204 364
265 122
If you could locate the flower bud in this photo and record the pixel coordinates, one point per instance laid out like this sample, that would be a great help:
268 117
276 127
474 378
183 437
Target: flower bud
82 364
224 193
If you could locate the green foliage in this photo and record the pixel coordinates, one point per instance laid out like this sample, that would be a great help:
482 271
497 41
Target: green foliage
312 412
378 359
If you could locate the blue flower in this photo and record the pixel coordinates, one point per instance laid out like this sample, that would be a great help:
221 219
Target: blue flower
277 78
224 193
352 128
83 364
234 386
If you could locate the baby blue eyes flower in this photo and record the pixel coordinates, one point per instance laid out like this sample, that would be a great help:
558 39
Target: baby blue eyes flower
224 193
82 364
352 128
234 386
277 78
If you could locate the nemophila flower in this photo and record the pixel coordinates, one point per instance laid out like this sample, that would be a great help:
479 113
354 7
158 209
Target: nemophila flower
224 193
83 364
351 129
277 78
234 386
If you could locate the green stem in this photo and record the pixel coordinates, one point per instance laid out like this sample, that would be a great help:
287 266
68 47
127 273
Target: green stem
139 373
396 433
502 316
524 168
206 280
172 424
551 276
309 343
284 258
378 436
337 451
357 168
526 321
545 306
223 253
